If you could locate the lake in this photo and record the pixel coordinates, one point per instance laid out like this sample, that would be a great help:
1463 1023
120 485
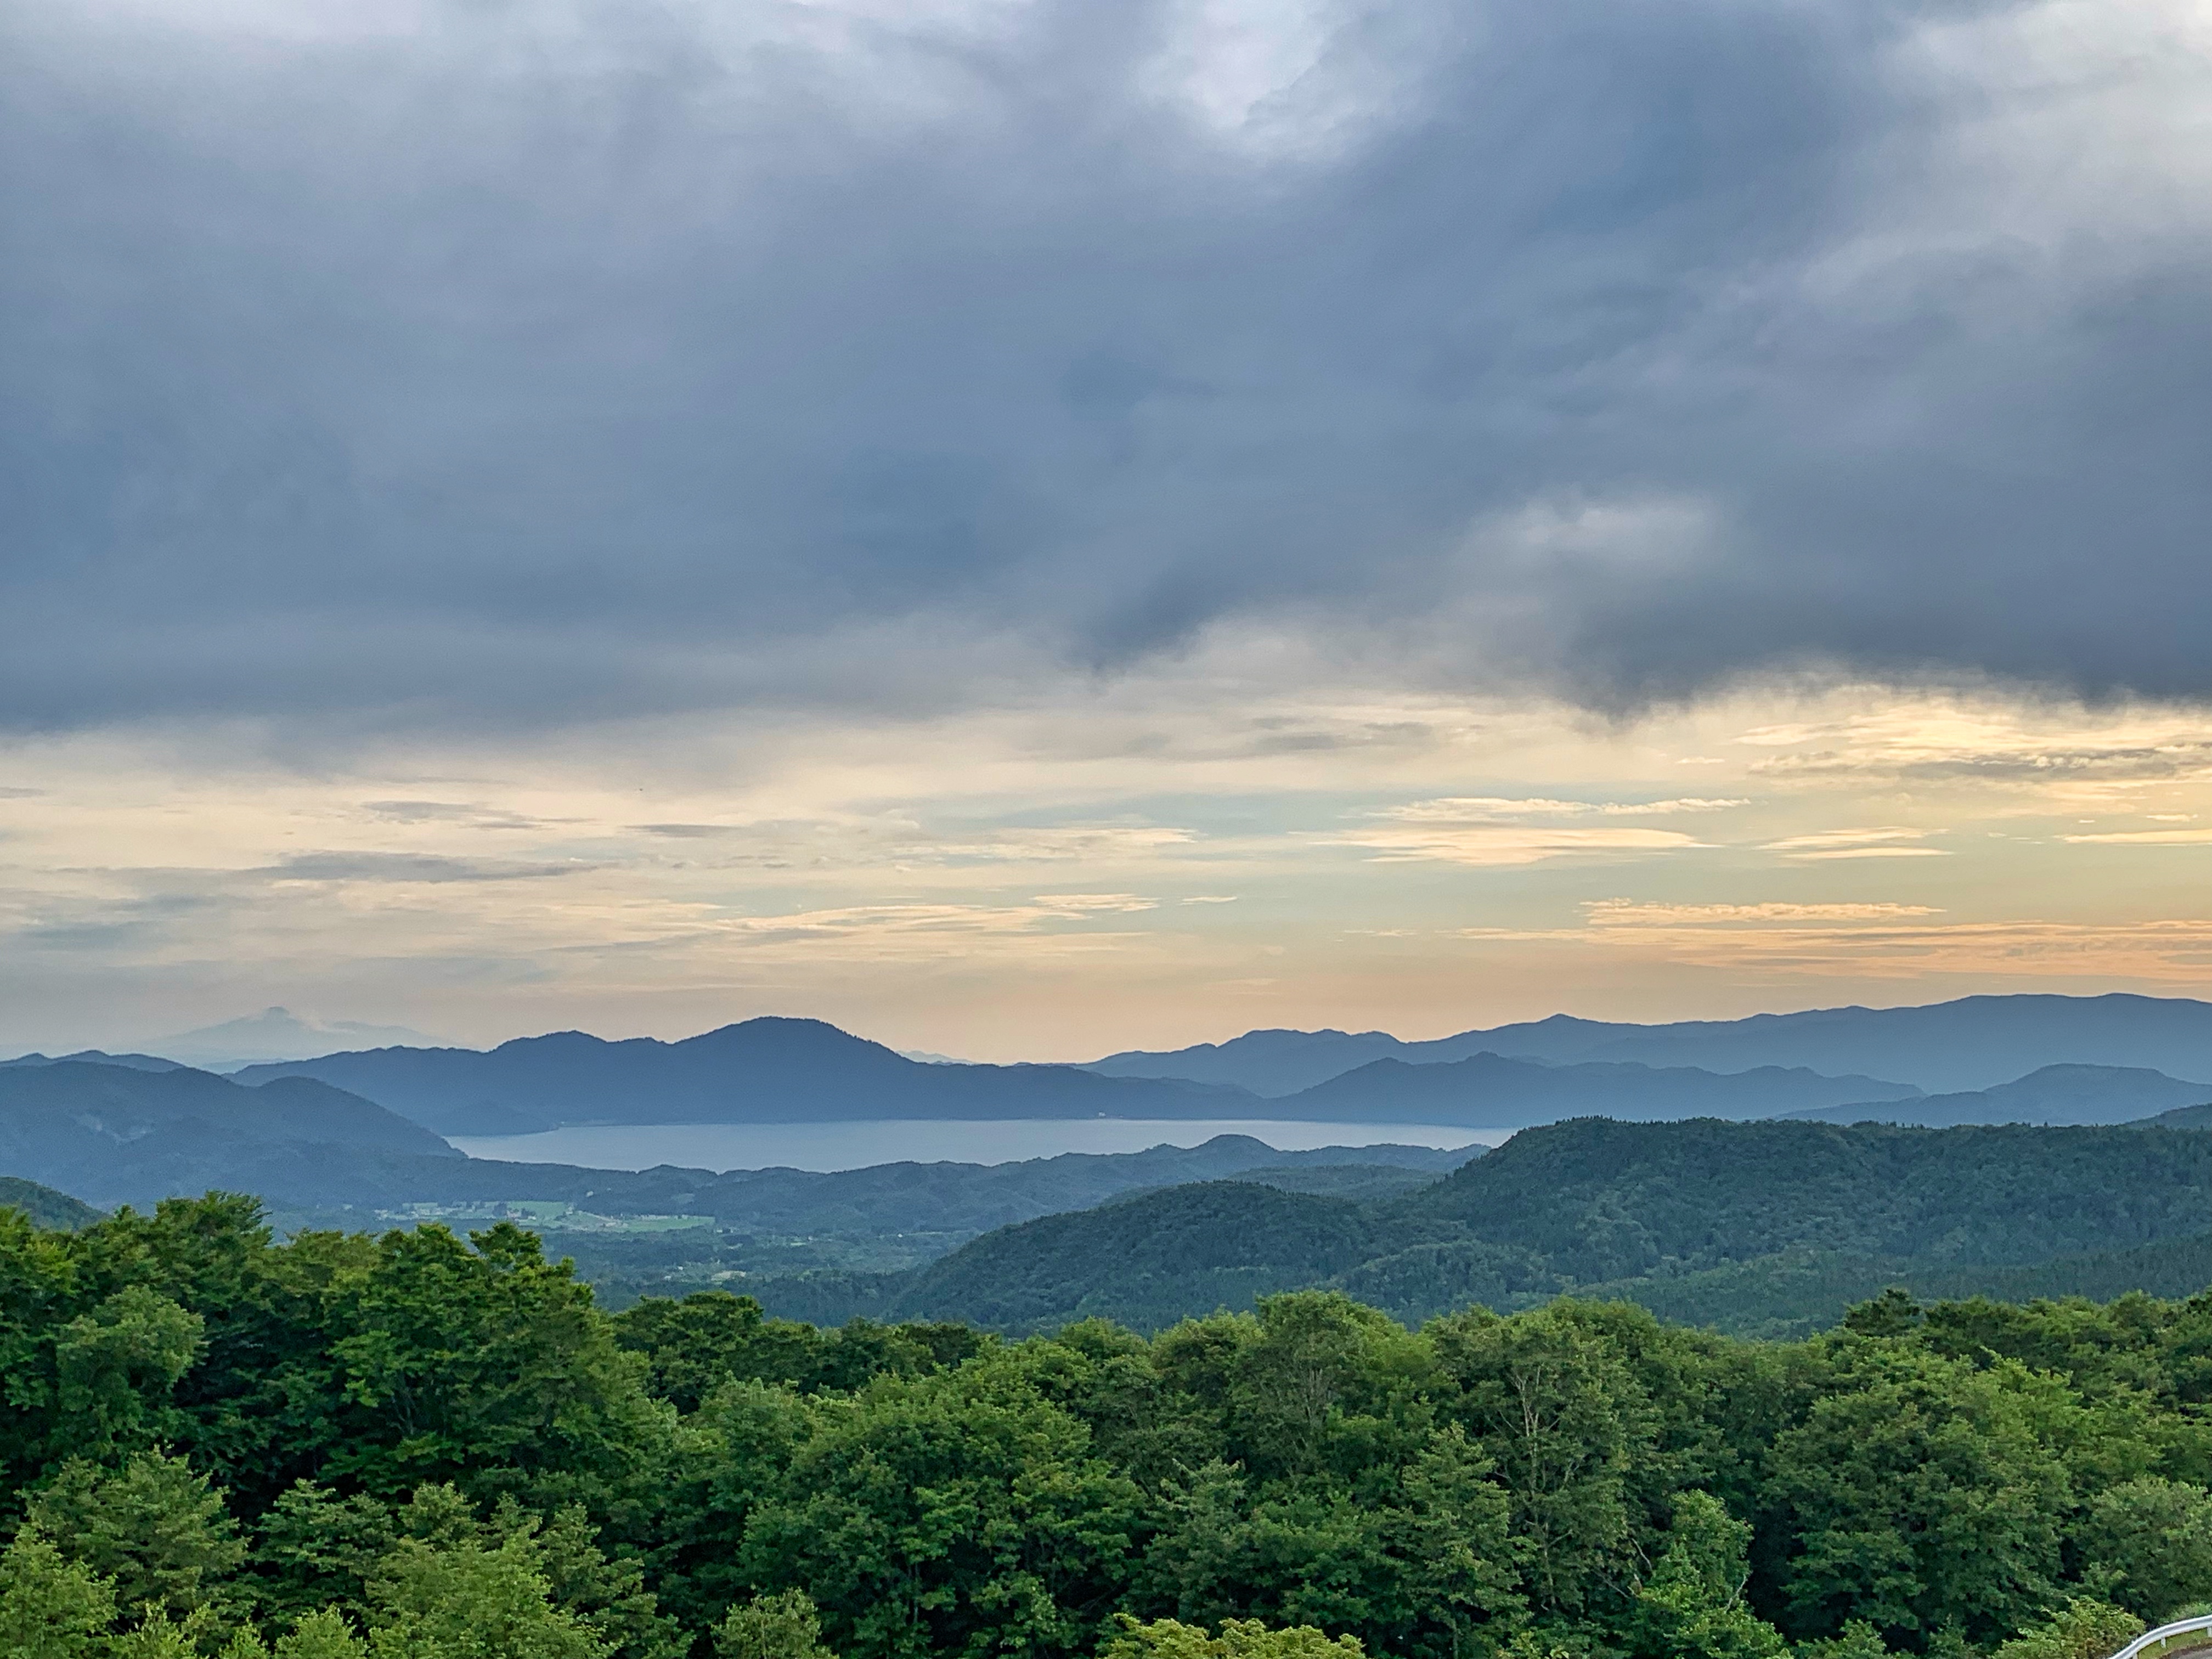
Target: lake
925 1141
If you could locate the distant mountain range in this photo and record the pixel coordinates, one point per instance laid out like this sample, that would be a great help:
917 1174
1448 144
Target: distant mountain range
2053 1095
773 1071
1706 1218
761 1070
122 1134
781 1071
116 1135
377 1104
97 1057
1488 1090
1970 1045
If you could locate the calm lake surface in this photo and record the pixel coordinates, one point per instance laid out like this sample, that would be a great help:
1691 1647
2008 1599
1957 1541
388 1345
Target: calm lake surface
924 1140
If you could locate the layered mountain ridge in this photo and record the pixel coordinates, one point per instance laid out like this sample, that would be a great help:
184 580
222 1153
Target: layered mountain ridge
785 1071
2099 1059
1694 1210
1970 1043
114 1134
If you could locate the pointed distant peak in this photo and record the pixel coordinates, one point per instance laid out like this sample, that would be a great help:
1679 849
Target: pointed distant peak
276 1033
781 1028
569 1037
773 1023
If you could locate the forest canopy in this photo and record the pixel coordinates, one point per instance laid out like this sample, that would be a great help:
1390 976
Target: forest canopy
346 1447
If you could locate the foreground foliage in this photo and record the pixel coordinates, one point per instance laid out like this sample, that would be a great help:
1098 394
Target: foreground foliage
418 1445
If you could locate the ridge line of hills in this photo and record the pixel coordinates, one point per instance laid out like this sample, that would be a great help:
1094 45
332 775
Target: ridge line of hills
1771 1220
116 1134
784 1070
173 1126
1768 1228
779 1070
1965 1044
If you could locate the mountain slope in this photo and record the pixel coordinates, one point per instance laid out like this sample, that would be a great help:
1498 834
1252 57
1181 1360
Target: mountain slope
883 1199
1268 1063
1741 1215
117 1134
760 1070
1488 1090
97 1057
1975 1043
2053 1095
43 1206
2181 1117
1969 1044
1187 1249
1602 1200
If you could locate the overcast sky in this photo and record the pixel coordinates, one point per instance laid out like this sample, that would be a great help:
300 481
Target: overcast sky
1030 528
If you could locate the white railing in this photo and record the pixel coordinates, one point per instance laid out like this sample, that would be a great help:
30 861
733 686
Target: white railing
2153 1643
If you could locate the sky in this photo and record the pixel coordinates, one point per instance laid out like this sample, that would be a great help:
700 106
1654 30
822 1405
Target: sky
1028 528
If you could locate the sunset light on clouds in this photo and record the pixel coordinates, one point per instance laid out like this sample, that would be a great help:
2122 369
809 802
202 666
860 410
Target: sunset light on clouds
1025 529
1124 867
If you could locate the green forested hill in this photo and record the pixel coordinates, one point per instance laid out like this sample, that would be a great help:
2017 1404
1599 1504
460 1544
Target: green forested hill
1214 1244
2181 1117
43 1205
1770 1226
1599 1200
1369 1182
823 1235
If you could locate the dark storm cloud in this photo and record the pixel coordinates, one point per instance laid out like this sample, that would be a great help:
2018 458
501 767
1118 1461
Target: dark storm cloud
510 372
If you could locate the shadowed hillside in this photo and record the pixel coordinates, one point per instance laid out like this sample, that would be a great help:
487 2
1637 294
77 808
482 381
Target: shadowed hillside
1217 1244
121 1134
1738 1224
43 1205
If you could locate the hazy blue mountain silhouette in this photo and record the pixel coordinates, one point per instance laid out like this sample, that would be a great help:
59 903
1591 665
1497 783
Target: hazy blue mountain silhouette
1970 1044
1490 1091
115 1134
97 1057
770 1071
1270 1063
276 1033
2072 1095
759 1071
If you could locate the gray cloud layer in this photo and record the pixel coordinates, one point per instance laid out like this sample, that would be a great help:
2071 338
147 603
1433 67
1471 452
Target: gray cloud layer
513 370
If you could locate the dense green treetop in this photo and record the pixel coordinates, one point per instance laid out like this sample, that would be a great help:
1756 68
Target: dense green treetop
425 1447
